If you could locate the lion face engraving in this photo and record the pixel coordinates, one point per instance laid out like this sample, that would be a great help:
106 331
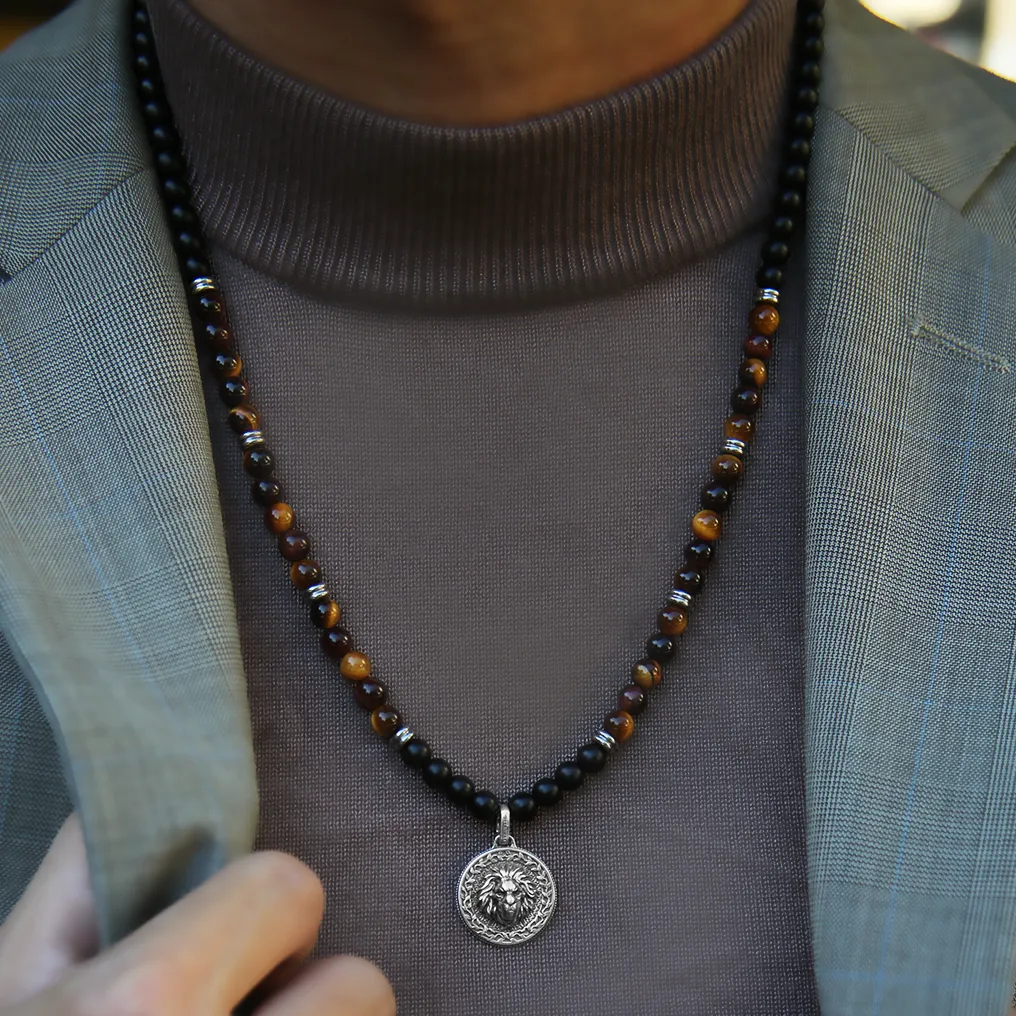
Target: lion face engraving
507 896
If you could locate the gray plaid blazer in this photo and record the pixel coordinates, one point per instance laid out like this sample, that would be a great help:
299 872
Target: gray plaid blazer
121 681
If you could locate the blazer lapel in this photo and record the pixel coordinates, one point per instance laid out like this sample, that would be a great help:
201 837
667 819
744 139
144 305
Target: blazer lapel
910 382
115 592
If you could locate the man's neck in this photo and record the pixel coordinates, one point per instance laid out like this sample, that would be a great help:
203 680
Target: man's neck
471 62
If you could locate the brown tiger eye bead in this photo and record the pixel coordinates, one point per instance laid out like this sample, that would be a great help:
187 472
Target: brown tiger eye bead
336 642
267 492
208 307
753 372
370 694
764 318
294 545
243 418
325 613
385 721
672 620
647 673
233 391
355 666
258 461
227 365
739 427
619 725
215 337
706 525
632 700
726 468
305 573
760 346
279 517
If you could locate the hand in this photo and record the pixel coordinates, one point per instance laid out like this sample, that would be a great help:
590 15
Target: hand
250 926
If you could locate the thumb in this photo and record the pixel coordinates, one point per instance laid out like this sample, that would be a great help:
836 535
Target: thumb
53 926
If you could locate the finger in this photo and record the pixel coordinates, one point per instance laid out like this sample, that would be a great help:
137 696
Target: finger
338 986
210 948
53 926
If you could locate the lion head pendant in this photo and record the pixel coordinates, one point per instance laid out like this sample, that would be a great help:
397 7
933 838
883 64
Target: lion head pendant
506 895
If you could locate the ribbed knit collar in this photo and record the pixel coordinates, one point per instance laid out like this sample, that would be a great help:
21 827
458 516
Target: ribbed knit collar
344 202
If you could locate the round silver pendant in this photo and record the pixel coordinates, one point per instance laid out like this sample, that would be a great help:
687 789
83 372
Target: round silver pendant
506 894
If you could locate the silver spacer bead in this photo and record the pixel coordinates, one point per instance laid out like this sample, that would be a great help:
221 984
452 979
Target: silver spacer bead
402 737
605 740
318 591
202 285
735 446
768 296
680 597
251 438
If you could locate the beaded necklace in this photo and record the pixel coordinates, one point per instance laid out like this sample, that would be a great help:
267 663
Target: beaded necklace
506 895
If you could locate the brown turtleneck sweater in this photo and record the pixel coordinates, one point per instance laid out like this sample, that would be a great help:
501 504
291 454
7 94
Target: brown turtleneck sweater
493 365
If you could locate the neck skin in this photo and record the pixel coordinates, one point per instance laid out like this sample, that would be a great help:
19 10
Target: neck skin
471 62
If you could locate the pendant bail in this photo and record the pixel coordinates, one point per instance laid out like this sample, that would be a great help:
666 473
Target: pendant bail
504 827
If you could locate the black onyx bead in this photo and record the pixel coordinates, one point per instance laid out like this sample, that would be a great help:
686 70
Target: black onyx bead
336 642
168 164
689 580
806 99
716 497
233 391
142 41
791 200
140 18
181 215
144 63
522 807
569 775
460 790
258 462
591 758
149 87
660 648
547 793
174 189
776 252
485 805
699 553
802 125
795 175
812 23
746 400
782 227
799 150
436 773
155 111
266 492
769 277
415 753
195 267
809 73
187 242
812 47
162 136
